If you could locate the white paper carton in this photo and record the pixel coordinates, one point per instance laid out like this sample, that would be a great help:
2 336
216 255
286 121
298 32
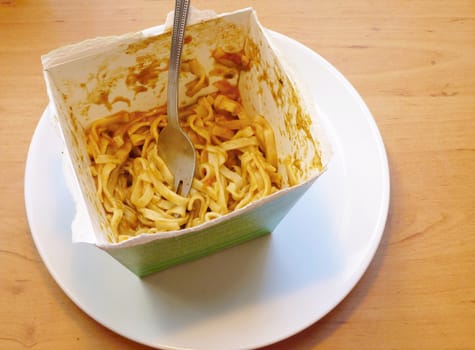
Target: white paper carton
99 77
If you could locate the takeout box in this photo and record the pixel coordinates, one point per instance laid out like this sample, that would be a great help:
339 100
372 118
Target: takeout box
98 77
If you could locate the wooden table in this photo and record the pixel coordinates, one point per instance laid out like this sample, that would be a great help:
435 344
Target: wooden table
413 62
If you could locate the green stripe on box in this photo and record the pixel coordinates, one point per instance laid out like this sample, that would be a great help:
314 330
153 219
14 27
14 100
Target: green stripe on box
160 254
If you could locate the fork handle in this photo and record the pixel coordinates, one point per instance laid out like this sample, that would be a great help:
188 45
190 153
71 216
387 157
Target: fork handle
178 34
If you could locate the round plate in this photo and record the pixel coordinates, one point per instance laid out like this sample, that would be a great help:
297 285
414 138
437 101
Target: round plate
251 295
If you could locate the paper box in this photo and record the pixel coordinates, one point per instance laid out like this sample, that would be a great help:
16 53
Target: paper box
99 77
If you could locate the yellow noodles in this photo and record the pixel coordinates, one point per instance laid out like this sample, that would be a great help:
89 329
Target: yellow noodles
236 165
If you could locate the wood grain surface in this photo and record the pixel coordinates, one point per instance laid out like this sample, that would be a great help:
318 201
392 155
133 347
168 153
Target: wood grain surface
413 62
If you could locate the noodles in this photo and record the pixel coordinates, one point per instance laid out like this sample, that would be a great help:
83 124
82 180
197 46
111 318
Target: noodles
236 165
237 159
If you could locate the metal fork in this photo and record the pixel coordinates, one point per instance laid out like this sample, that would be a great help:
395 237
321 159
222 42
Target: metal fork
174 145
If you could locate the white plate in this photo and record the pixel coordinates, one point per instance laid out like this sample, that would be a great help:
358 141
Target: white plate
248 296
